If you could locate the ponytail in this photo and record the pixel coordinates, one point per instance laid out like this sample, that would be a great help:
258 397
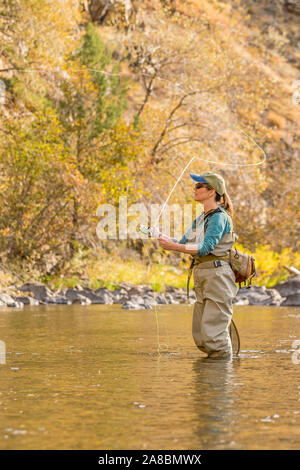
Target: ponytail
225 203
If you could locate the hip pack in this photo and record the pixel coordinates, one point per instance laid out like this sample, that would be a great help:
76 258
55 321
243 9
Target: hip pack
243 265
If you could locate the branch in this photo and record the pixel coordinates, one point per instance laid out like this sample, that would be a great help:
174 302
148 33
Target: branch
190 139
164 131
11 68
149 89
178 106
50 201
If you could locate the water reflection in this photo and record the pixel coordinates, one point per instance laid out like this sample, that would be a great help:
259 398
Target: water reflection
214 401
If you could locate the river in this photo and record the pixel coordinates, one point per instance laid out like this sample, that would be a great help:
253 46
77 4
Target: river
99 377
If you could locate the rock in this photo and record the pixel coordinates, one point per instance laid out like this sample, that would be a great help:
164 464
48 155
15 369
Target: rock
101 291
161 299
118 296
27 300
276 298
170 299
57 300
16 304
289 289
96 299
171 289
241 301
126 285
78 287
8 301
72 294
139 302
144 297
179 298
39 290
258 295
132 306
81 300
292 300
140 290
291 286
43 294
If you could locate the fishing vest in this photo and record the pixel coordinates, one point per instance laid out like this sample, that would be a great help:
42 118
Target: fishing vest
221 250
225 244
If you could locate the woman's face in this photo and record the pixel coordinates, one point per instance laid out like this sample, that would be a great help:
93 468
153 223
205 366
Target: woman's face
202 193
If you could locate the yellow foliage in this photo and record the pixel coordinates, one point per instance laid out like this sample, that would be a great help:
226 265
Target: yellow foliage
270 264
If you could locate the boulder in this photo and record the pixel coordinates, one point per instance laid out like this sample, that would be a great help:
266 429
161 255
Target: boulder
290 289
258 295
39 290
27 300
139 302
72 295
96 299
7 301
81 300
161 299
292 300
132 306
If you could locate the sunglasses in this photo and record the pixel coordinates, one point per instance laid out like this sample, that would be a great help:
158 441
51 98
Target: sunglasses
201 185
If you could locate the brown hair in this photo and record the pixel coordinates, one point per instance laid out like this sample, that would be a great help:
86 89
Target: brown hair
226 202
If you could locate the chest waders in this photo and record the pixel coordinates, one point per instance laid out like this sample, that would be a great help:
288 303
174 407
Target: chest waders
214 331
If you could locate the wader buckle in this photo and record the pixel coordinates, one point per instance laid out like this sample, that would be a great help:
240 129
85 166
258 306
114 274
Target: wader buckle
217 263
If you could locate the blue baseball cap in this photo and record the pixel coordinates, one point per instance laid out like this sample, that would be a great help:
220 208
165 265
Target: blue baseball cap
198 178
215 180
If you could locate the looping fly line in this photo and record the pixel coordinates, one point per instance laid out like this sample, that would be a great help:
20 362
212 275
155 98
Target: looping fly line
156 223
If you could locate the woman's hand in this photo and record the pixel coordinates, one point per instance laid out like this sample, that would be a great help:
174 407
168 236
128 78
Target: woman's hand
167 244
170 245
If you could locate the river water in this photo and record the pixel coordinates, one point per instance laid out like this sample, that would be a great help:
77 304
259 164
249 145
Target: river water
99 377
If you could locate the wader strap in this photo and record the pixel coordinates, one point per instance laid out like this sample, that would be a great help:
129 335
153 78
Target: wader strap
189 277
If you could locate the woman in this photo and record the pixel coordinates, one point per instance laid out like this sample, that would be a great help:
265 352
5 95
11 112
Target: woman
210 239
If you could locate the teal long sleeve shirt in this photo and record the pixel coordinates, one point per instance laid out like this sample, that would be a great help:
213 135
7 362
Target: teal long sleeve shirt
217 226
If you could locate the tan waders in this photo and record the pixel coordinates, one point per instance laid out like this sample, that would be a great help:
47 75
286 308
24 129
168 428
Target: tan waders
215 288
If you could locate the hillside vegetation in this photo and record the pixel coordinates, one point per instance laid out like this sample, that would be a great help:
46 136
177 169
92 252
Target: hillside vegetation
101 99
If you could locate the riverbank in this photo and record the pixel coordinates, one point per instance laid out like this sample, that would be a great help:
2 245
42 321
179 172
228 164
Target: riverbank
131 296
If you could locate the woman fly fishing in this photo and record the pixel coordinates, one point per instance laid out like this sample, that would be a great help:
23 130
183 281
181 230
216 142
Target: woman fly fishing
209 240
